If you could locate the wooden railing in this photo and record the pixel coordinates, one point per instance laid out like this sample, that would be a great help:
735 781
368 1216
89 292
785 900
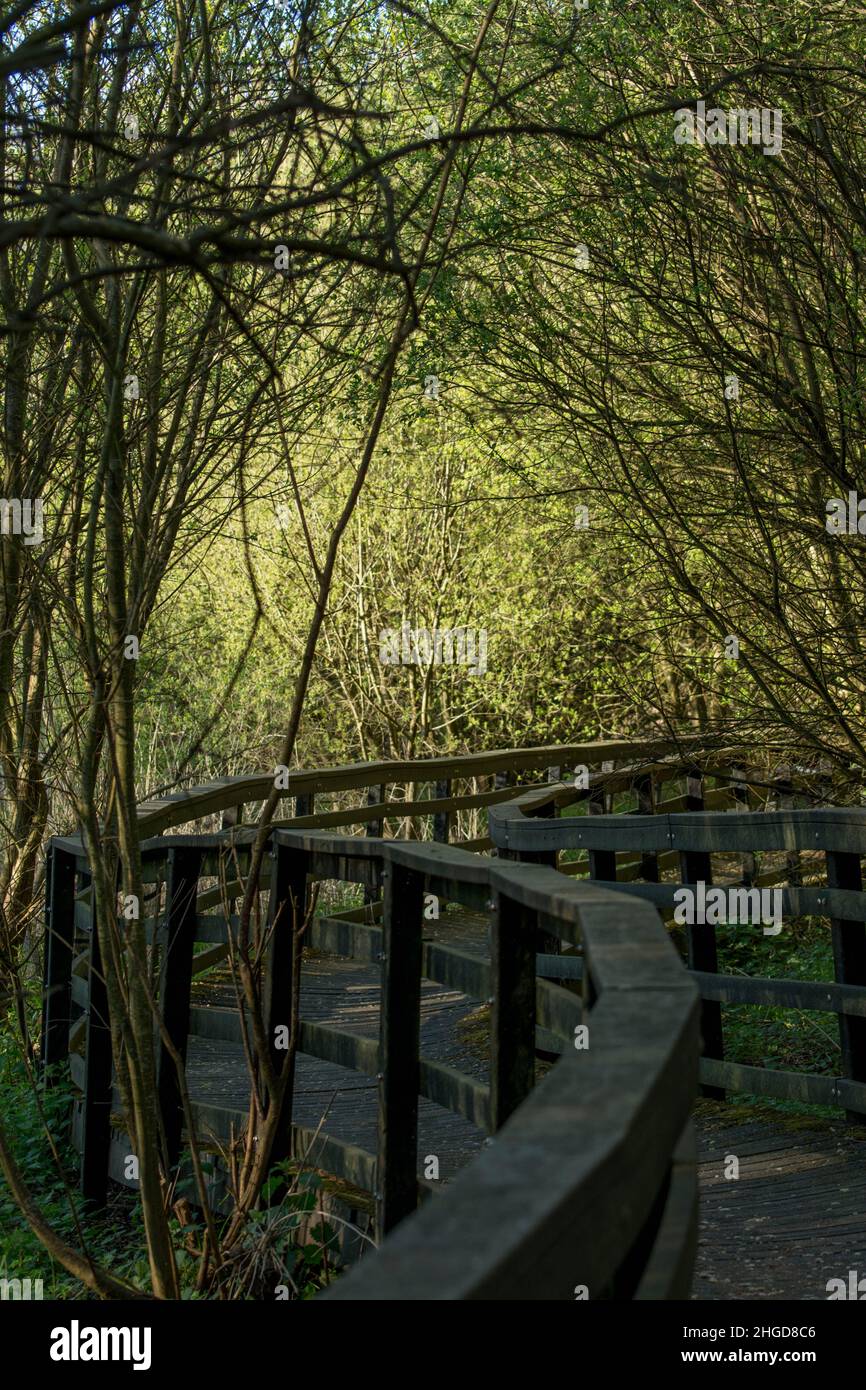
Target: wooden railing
589 1181
825 844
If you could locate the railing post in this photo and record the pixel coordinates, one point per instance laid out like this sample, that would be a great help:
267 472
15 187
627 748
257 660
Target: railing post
305 804
96 1104
59 944
501 780
696 867
442 819
512 1031
649 861
740 791
849 960
175 980
400 1021
785 802
602 862
375 828
286 908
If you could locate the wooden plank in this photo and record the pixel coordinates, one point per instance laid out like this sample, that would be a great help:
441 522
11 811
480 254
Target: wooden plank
806 1088
784 994
830 828
160 813
667 1273
399 1080
376 801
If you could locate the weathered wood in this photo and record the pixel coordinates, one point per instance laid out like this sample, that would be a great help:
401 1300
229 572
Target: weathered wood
495 1236
287 905
399 1080
645 790
849 960
602 862
512 1040
702 955
376 800
59 945
442 818
784 994
175 976
785 802
177 808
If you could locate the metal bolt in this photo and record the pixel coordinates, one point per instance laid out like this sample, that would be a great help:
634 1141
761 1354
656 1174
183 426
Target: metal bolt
380 1076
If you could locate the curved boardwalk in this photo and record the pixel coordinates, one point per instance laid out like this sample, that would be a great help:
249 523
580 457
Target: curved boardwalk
794 1218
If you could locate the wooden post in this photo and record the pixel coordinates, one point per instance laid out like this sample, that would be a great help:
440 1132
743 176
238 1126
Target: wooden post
375 795
96 1105
785 801
400 1018
645 789
849 959
175 979
740 790
442 819
602 862
512 1034
305 804
232 817
696 867
287 904
59 944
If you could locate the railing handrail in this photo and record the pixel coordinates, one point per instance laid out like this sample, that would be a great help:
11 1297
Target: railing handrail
156 814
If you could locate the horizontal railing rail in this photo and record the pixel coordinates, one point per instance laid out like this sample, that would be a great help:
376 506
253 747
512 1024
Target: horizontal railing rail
835 836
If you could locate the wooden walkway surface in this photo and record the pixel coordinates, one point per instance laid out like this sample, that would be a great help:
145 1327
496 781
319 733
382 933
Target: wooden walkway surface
793 1219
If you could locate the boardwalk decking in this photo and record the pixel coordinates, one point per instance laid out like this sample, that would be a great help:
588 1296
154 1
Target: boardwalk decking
795 1217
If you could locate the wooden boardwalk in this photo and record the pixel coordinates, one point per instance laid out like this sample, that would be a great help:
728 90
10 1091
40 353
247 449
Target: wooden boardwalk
796 1215
794 1218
